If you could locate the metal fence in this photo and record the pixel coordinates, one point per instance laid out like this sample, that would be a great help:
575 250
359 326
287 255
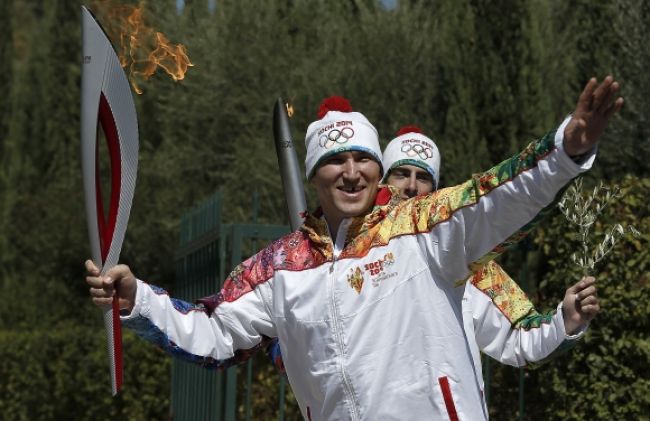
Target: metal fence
208 250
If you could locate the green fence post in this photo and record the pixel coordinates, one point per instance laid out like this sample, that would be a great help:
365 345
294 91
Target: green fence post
524 246
521 394
249 364
488 380
231 373
196 393
281 403
223 243
201 266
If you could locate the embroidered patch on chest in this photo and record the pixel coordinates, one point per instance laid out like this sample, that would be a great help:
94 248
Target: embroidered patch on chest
355 279
378 271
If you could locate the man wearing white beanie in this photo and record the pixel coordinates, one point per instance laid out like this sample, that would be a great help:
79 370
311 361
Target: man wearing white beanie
343 162
365 298
413 162
499 318
339 129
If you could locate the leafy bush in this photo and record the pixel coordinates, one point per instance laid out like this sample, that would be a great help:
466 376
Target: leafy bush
63 374
602 378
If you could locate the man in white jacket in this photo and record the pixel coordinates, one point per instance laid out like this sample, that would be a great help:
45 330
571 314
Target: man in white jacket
366 297
499 318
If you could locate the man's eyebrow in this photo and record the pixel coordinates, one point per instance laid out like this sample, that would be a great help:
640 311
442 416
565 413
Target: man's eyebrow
402 170
329 162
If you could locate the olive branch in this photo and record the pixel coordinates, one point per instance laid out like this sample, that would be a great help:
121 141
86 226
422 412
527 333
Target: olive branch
582 209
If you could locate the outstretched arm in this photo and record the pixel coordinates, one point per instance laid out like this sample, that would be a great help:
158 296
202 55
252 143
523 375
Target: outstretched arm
472 223
509 329
212 337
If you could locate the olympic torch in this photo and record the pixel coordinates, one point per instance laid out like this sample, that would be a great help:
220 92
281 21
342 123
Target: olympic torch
294 191
107 104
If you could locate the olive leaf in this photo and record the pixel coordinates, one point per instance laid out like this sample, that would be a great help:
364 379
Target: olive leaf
583 209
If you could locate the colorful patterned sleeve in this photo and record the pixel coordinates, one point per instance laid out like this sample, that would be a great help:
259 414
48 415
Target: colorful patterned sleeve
219 330
225 328
507 327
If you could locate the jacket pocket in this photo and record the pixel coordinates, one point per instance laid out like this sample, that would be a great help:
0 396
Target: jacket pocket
448 398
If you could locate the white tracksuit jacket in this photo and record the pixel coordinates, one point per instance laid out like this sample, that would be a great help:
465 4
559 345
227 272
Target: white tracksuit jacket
371 327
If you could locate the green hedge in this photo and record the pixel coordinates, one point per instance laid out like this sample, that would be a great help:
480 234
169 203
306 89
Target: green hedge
606 376
63 374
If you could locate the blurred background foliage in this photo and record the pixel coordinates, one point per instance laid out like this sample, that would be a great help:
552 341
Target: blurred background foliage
480 77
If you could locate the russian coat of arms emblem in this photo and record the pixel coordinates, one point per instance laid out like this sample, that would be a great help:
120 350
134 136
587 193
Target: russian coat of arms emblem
355 279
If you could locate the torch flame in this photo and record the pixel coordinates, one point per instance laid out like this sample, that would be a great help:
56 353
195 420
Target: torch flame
289 108
141 49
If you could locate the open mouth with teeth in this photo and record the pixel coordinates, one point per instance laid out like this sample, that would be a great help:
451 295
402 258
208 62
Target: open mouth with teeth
351 189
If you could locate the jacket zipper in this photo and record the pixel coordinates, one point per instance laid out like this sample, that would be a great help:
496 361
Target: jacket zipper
347 386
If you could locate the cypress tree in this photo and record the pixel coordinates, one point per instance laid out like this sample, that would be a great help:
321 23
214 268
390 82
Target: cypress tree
7 175
46 235
6 64
627 150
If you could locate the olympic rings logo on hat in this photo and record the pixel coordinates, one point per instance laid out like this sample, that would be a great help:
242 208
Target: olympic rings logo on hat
335 136
423 152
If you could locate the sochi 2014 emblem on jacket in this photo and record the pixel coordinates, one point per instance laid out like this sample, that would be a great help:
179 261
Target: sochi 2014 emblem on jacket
377 270
355 279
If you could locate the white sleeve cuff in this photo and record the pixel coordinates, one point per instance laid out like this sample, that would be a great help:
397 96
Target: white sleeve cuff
141 307
581 330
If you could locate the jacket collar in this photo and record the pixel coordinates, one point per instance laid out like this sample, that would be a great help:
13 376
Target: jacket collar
315 225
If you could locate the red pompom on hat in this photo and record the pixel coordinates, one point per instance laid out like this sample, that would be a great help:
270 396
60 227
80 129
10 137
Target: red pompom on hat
334 103
409 129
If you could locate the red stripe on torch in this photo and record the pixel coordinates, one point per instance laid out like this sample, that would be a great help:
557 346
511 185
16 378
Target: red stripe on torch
107 227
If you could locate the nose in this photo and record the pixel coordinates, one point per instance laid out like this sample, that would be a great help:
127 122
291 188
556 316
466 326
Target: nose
411 189
351 170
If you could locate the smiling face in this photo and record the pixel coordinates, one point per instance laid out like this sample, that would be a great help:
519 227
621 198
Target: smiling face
346 184
410 180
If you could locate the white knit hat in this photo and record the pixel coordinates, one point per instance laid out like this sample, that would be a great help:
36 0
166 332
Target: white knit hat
339 130
411 147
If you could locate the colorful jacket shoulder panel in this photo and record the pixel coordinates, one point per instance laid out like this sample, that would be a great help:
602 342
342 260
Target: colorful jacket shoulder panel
422 213
311 245
504 292
292 252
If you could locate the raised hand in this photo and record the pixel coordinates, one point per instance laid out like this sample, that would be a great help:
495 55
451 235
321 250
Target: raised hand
118 280
580 304
596 106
